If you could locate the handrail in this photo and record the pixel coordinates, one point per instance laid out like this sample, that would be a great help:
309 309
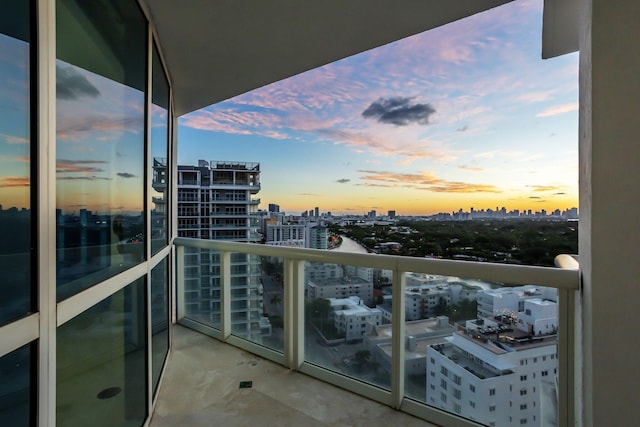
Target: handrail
509 274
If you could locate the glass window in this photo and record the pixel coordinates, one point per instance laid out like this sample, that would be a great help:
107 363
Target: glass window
15 154
100 82
159 319
159 153
16 402
101 369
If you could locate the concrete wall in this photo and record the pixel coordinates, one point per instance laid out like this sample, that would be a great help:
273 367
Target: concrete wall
609 202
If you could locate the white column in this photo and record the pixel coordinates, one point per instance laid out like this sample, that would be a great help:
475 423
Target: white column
609 199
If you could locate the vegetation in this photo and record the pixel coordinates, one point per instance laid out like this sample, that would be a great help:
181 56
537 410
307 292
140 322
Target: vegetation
518 241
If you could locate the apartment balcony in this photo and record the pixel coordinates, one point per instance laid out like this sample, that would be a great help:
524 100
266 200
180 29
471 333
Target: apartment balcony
278 396
385 369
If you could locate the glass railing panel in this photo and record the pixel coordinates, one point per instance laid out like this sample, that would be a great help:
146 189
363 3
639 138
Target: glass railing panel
257 299
202 286
480 350
17 403
344 330
159 319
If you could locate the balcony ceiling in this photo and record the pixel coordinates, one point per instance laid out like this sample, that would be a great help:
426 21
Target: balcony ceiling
217 49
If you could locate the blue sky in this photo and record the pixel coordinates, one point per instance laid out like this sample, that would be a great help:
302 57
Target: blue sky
464 115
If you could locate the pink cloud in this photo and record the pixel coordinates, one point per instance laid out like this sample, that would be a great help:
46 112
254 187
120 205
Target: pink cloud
558 109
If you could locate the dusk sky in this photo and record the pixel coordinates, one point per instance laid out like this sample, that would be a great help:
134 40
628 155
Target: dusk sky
465 115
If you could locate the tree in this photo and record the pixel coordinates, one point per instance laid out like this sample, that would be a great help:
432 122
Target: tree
362 358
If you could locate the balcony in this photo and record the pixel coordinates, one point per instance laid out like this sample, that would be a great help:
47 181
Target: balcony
278 396
421 368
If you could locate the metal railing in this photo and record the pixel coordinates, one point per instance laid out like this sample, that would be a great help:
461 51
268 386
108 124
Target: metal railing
564 279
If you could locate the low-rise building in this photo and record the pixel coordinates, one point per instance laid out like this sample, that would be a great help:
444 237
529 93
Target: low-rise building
499 371
353 318
341 287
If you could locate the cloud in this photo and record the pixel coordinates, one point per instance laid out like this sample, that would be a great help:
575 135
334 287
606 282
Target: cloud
534 197
234 121
71 85
73 129
559 194
343 180
463 129
83 178
533 97
423 181
558 109
399 111
14 181
10 139
411 150
126 175
470 168
544 188
78 166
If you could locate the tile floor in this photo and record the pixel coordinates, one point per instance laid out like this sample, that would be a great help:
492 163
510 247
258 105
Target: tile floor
201 388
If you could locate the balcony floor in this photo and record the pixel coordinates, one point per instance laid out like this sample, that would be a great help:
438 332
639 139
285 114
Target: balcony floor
201 388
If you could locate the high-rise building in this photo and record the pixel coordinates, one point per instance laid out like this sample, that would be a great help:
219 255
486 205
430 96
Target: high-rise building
318 237
215 202
274 208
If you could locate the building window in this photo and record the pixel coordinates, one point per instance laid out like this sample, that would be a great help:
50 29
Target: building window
523 392
523 377
444 371
443 384
492 408
457 393
100 104
472 388
457 379
523 421
523 407
492 392
443 397
472 403
87 350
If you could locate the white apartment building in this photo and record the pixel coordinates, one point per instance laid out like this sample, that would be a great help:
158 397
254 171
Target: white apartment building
286 235
215 202
317 236
498 373
510 301
419 335
353 318
341 287
422 300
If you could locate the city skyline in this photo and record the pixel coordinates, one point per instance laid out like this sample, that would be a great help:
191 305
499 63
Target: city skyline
463 115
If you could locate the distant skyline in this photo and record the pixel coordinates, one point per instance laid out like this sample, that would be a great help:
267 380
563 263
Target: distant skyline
464 115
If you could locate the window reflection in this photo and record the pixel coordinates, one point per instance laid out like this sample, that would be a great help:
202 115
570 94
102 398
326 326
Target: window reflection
159 153
100 142
15 146
15 375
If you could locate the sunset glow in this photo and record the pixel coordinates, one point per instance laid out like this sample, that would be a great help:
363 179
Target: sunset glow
465 115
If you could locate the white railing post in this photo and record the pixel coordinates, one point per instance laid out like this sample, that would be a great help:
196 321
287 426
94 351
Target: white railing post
294 312
398 337
225 294
180 291
566 359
